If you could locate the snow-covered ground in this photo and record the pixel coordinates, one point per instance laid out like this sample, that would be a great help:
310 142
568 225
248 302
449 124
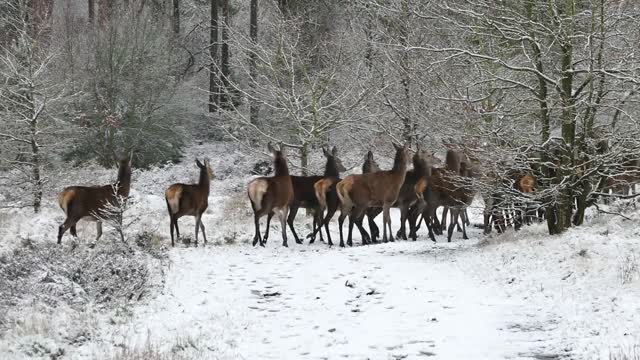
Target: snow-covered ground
521 295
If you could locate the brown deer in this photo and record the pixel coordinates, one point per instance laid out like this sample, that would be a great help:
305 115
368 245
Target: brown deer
357 193
327 196
415 183
88 202
272 195
304 194
445 189
190 200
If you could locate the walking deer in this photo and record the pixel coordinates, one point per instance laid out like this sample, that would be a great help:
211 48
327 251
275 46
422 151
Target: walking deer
446 189
357 193
272 195
88 202
327 196
415 183
304 195
190 200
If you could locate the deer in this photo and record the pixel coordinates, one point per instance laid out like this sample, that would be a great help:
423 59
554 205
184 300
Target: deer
498 205
357 193
88 202
304 195
269 195
412 189
190 200
444 190
327 196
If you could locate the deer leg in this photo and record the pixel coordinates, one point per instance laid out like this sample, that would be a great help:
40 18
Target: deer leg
463 213
326 221
412 217
98 229
461 217
256 237
402 232
317 222
340 223
204 236
445 211
293 211
73 231
349 236
171 229
197 228
175 223
68 222
266 232
371 216
283 213
452 225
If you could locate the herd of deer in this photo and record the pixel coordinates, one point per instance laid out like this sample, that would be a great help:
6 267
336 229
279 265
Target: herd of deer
417 193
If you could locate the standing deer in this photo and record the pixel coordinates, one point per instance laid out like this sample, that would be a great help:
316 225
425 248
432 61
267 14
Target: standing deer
411 191
304 195
357 193
327 196
189 200
444 189
88 202
272 195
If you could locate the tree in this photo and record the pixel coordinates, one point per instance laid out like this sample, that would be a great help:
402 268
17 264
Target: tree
27 97
225 95
214 87
253 35
557 70
176 17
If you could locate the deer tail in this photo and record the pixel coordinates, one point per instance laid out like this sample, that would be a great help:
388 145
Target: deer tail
64 199
321 187
172 195
343 189
257 189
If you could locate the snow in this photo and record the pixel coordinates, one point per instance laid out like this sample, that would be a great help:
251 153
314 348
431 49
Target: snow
518 295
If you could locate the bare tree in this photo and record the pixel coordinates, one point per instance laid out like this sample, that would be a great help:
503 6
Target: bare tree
27 94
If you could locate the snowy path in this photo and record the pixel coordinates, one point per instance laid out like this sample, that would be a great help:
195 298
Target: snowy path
401 300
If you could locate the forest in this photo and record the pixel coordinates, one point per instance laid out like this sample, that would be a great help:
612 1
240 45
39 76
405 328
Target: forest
535 101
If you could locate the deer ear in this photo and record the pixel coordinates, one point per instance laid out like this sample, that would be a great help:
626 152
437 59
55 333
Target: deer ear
334 151
281 146
270 148
199 164
369 155
326 152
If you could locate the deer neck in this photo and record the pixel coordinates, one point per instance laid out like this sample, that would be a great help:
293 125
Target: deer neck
331 169
281 167
124 181
420 168
204 182
399 165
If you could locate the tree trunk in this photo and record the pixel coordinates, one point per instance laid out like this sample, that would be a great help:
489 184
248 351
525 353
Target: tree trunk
104 12
253 73
224 56
407 121
304 159
176 17
214 87
91 10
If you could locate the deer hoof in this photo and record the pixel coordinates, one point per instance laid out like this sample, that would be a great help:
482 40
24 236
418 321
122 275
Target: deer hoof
285 244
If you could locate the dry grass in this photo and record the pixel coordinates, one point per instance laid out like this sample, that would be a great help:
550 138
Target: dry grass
185 348
629 269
